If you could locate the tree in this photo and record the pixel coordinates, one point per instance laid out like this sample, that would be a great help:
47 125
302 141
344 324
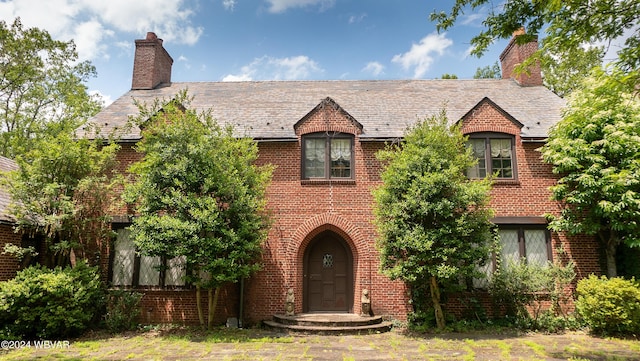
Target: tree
63 190
198 195
568 24
41 87
488 72
448 76
564 72
595 149
433 222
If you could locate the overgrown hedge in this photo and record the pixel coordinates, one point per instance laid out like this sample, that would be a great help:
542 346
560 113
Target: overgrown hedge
44 303
609 306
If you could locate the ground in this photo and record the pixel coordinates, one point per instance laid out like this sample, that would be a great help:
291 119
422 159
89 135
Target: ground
178 343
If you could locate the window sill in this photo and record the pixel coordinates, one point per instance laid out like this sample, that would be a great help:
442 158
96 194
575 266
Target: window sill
327 181
505 182
152 288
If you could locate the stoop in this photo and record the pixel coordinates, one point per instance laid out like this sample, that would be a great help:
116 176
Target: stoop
329 323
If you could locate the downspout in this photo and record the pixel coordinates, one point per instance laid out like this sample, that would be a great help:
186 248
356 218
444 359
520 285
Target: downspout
241 308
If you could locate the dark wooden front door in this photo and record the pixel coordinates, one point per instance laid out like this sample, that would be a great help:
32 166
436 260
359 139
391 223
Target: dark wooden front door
328 275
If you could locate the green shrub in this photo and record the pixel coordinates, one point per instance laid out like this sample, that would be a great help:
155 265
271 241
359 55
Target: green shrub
44 303
520 287
609 306
515 286
123 309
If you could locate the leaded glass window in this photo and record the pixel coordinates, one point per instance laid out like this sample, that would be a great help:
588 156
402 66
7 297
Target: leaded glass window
130 268
494 154
124 255
327 156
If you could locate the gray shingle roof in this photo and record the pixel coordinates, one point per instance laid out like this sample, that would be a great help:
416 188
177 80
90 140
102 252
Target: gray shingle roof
269 109
6 165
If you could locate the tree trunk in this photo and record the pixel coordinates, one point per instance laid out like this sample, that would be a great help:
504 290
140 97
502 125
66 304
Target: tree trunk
611 245
435 298
213 302
199 305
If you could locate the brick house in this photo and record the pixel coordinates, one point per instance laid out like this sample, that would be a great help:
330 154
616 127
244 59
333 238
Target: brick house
9 265
322 137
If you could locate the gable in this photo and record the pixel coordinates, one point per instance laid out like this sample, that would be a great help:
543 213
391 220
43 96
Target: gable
327 116
487 116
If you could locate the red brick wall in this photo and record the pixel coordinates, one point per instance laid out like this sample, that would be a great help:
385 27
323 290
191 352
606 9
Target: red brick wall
529 195
179 306
9 265
303 208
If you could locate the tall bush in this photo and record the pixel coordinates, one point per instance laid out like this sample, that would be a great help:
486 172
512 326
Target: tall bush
609 306
123 309
44 303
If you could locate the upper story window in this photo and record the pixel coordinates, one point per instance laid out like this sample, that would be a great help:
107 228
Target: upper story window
495 153
325 156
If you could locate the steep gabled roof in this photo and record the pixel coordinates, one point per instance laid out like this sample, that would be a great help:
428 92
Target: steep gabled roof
384 108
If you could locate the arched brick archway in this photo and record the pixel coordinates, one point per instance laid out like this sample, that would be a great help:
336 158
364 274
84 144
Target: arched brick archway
306 236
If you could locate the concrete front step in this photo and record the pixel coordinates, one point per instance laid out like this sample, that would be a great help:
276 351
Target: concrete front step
329 323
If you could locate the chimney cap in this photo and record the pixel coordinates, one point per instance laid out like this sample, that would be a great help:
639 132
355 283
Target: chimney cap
151 35
519 31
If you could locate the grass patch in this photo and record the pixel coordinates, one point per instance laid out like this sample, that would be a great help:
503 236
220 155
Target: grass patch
536 348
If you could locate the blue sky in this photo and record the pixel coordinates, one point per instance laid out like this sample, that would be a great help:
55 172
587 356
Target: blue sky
239 40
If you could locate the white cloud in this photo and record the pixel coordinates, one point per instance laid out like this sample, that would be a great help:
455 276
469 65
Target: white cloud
421 55
280 6
269 68
90 23
241 77
357 18
89 39
374 68
229 4
106 99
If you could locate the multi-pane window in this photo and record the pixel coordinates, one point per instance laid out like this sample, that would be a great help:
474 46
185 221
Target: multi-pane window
325 156
132 269
523 243
528 243
494 154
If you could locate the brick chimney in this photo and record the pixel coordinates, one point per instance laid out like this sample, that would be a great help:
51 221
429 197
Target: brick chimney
152 63
514 54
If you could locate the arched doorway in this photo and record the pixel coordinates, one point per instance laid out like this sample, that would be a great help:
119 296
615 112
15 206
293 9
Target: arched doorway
328 274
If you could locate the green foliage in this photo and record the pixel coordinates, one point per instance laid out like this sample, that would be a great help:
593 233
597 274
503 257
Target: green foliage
627 261
198 193
514 286
609 306
488 72
568 24
41 87
595 149
50 304
64 191
563 72
449 76
433 222
123 309
548 321
518 287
